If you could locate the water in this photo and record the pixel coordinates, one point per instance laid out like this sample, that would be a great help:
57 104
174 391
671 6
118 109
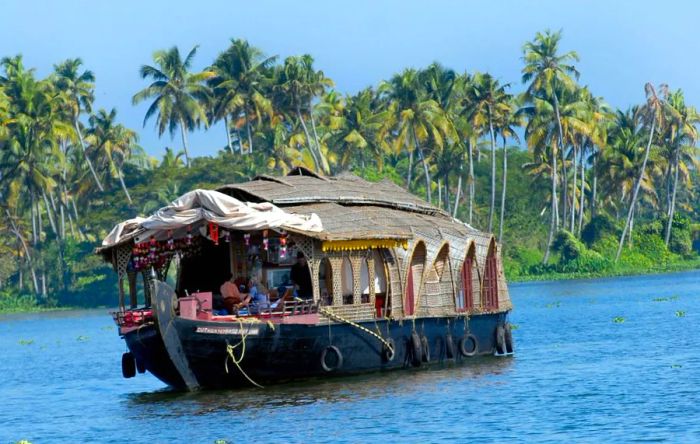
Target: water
578 376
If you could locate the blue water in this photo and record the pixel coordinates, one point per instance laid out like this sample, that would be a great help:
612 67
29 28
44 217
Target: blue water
578 376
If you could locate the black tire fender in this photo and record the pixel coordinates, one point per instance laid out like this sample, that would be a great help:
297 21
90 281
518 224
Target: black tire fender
500 339
128 365
449 347
416 349
339 358
425 348
140 366
469 345
510 347
389 352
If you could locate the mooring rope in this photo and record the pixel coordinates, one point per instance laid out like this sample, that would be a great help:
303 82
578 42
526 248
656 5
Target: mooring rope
229 350
327 312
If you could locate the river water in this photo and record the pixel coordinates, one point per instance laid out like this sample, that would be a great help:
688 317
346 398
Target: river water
597 360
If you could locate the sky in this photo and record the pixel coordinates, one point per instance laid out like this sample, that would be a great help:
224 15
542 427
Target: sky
622 44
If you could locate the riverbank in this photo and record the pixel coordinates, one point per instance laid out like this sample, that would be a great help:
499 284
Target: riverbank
687 265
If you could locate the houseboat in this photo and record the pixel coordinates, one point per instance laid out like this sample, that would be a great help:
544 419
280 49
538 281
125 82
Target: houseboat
354 276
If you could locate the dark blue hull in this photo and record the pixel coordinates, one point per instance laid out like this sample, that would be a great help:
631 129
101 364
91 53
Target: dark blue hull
289 352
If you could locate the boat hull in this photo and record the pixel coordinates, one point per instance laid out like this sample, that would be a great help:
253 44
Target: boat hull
234 355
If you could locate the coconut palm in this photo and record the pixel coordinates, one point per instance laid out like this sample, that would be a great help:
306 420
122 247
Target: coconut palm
178 94
112 143
239 87
549 73
78 90
654 114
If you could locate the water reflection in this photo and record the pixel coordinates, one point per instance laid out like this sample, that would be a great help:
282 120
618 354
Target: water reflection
168 403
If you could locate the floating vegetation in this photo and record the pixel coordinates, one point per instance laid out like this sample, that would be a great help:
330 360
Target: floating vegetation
514 326
680 313
556 304
618 319
676 366
26 341
107 327
23 441
660 299
673 298
82 338
220 441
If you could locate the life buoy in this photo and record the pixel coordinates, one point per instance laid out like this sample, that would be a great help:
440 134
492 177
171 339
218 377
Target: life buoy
449 347
500 339
389 352
510 348
425 347
469 345
416 350
335 363
128 365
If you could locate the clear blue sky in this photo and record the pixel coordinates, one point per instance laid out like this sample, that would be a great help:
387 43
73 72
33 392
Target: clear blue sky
622 44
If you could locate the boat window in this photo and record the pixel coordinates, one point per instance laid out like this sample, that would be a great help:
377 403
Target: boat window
325 282
465 297
380 293
364 281
414 279
490 287
346 282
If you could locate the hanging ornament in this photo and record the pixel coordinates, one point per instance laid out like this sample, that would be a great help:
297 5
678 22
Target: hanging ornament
188 239
246 237
214 233
283 246
171 241
227 237
266 241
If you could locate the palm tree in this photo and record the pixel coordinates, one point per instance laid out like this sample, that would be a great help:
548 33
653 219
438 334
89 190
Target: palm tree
78 89
178 93
489 102
548 73
113 142
508 120
241 73
653 113
683 134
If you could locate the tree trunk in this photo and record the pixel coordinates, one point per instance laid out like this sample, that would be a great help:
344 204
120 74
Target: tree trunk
447 193
672 208
595 185
503 192
121 180
50 215
582 199
27 254
572 215
313 128
561 147
440 203
249 134
554 209
183 133
308 139
425 165
636 192
493 173
87 159
471 183
459 189
409 175
34 215
228 135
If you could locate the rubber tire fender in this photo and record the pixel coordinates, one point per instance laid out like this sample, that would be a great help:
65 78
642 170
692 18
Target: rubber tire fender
500 339
425 347
510 347
416 349
128 365
334 349
463 345
449 346
388 354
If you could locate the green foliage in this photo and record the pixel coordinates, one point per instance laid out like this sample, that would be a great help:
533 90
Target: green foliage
597 228
681 241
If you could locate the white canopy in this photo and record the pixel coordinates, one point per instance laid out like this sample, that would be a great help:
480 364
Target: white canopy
216 207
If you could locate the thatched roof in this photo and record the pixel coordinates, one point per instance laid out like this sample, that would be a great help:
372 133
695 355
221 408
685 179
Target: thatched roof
346 189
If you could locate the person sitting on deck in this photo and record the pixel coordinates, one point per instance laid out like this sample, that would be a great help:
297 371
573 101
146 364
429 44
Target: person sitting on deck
258 296
233 299
301 277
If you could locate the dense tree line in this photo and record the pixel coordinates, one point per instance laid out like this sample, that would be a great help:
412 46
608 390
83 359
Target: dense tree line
543 162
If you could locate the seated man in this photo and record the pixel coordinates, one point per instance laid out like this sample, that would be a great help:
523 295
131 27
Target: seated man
233 299
258 296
